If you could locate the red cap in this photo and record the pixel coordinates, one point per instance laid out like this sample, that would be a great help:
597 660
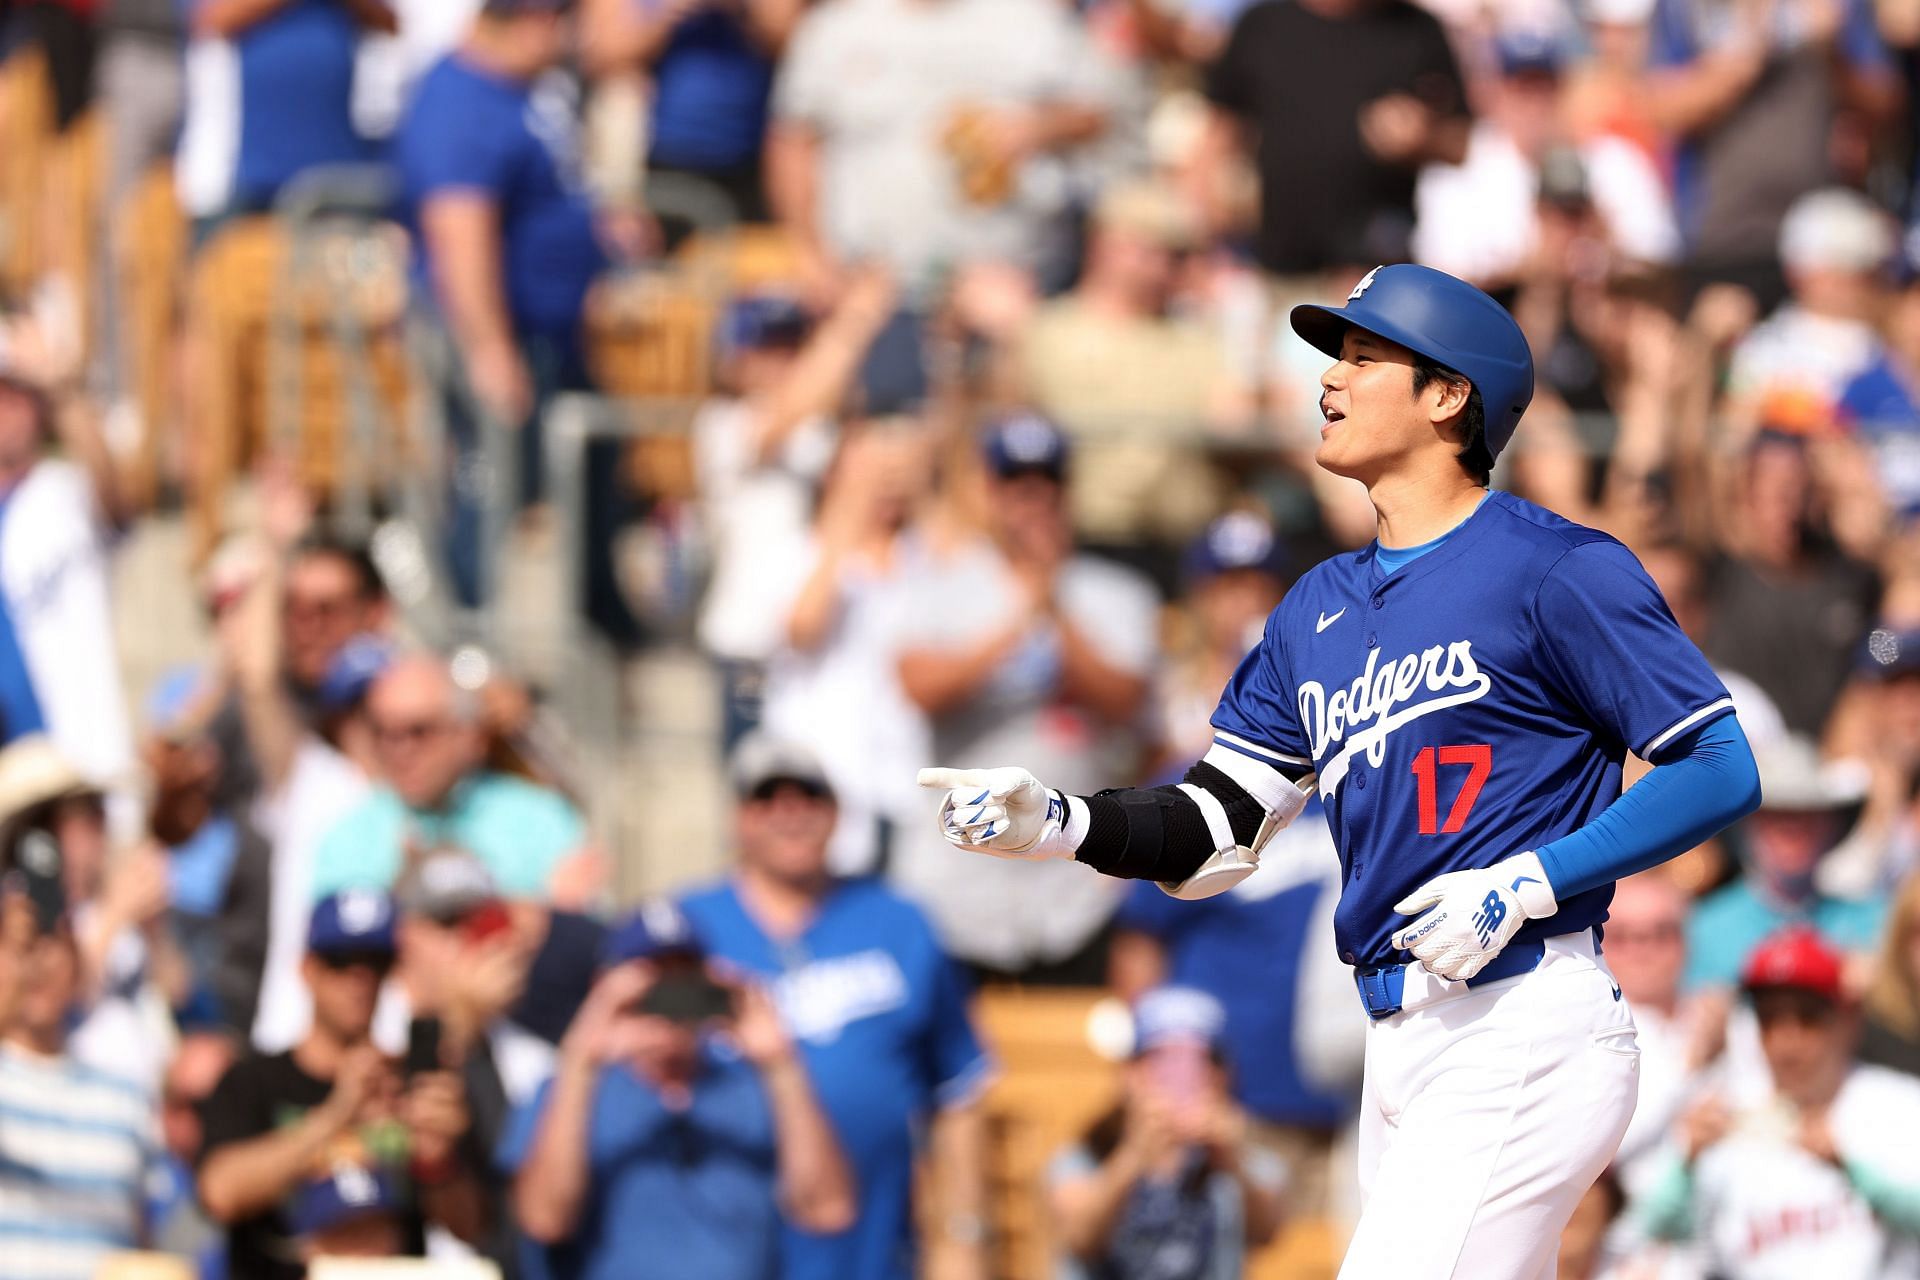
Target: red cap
1796 956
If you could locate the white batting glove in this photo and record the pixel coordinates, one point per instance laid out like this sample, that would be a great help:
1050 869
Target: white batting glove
1004 812
1474 914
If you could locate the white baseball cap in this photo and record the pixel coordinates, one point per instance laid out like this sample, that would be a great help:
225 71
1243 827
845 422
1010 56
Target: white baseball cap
1835 230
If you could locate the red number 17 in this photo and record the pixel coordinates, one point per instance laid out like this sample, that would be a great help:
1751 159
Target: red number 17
1478 757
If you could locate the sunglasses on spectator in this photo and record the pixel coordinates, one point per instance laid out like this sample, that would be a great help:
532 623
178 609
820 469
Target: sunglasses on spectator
774 786
1665 931
318 606
1808 1008
411 731
381 962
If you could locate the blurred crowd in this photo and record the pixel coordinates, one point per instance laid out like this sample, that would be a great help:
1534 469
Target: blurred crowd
310 949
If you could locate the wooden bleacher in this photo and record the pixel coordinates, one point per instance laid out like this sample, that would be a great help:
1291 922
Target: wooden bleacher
1052 1086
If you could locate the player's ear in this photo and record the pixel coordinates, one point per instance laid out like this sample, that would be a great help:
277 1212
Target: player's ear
1446 399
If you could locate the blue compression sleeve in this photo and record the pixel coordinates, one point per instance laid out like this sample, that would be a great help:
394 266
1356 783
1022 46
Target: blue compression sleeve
1708 784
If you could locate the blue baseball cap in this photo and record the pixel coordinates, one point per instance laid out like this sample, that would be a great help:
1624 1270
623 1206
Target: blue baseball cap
352 920
350 1192
360 662
1025 442
1525 50
1170 1014
657 928
1237 540
1890 652
759 320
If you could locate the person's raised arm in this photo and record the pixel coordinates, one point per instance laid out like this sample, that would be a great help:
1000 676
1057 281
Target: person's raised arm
243 1179
550 1190
814 1184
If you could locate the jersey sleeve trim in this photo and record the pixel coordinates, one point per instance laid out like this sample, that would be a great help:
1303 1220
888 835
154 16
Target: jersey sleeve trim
1222 738
1682 725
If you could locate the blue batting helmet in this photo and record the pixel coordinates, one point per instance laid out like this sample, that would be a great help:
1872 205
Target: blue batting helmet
1444 319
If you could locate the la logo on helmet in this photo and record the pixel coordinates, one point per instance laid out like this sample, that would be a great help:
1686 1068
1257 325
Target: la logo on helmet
1366 282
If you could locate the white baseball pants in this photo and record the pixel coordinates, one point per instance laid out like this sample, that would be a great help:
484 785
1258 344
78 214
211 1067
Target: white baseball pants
1485 1116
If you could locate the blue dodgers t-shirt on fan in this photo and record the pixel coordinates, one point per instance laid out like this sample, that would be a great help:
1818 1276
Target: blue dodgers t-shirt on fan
671 1194
1475 704
470 130
880 1015
710 91
296 97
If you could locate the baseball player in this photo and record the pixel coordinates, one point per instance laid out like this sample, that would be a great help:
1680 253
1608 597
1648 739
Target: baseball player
1462 692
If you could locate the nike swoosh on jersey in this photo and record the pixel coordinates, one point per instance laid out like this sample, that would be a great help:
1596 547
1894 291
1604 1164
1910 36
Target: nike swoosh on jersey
1324 621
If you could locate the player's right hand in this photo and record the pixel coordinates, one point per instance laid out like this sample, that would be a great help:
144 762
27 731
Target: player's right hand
1002 812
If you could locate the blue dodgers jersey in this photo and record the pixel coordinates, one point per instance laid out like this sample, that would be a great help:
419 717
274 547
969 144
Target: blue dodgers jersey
1476 704
880 1015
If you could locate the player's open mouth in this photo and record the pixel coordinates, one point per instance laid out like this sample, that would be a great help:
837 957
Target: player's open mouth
1332 415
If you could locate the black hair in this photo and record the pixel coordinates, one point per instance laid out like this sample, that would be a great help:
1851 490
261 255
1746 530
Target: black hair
368 584
1474 454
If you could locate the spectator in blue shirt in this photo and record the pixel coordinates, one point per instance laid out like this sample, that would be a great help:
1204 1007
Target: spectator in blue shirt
678 1126
878 1009
291 85
1806 809
510 245
711 63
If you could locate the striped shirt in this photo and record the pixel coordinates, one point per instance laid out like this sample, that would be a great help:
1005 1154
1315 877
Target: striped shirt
76 1146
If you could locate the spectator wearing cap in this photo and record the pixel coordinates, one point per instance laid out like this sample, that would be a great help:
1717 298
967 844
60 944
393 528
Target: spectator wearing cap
277 1122
1793 371
878 1012
269 94
131 972
77 1143
433 790
1478 219
831 682
1819 1177
1754 101
679 1126
943 158
1807 807
509 246
219 865
762 448
1122 367
59 673
493 985
351 1211
1232 576
1166 1184
712 77
1049 658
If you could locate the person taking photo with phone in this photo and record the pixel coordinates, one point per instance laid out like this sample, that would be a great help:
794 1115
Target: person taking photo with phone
279 1123
678 1127
1166 1186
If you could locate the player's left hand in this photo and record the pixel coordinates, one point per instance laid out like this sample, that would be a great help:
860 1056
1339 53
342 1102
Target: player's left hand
1474 914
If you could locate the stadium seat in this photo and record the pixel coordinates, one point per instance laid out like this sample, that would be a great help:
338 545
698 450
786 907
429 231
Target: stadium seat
26 135
1051 1087
151 261
276 354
